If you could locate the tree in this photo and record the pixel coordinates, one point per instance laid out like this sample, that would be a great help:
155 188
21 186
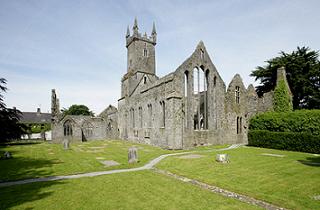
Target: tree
77 110
303 75
9 118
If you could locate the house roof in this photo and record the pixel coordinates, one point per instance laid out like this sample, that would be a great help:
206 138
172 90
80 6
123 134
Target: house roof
35 117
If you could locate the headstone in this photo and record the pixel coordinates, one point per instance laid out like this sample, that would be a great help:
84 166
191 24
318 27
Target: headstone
222 158
66 143
133 155
7 155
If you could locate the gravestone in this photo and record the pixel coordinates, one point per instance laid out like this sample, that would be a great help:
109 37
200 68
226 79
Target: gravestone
222 158
7 155
133 155
66 143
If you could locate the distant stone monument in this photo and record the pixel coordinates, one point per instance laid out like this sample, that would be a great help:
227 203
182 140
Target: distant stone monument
222 158
133 155
7 155
66 143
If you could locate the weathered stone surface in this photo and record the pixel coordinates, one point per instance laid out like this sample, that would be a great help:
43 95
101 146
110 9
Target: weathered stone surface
222 158
316 197
191 156
66 143
133 155
188 107
109 163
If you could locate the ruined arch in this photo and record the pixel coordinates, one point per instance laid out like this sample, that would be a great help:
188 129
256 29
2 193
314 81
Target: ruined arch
186 83
86 130
67 128
200 92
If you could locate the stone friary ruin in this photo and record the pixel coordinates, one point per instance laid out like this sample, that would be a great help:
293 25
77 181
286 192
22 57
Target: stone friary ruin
188 107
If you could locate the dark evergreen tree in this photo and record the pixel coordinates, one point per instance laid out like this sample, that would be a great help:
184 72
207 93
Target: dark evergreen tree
303 75
9 118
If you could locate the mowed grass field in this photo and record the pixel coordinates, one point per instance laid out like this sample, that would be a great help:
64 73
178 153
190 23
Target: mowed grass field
287 179
47 159
144 190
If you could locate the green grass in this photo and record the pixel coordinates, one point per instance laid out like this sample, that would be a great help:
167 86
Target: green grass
136 190
46 159
291 181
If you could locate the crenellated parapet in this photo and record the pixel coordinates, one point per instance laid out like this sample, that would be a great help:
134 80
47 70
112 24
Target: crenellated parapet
152 39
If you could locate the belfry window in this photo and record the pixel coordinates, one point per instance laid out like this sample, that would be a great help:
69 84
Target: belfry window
237 94
145 51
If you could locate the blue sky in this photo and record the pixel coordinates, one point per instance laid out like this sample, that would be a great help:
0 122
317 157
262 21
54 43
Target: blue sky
78 47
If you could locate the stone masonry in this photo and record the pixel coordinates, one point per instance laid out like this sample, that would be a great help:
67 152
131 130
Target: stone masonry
188 107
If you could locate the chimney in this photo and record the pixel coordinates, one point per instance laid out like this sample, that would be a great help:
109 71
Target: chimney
38 111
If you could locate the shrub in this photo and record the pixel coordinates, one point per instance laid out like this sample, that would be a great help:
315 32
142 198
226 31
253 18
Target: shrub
298 121
282 101
302 142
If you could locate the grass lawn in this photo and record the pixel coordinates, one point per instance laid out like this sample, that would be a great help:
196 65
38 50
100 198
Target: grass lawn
290 181
46 159
135 190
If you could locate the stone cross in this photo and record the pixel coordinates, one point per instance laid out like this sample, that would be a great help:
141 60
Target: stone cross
222 158
133 155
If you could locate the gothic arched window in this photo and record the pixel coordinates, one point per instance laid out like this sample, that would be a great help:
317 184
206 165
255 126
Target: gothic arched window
67 128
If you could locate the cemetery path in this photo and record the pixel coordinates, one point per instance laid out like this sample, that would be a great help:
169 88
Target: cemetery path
99 173
151 165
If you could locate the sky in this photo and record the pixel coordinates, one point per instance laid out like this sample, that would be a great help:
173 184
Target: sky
78 47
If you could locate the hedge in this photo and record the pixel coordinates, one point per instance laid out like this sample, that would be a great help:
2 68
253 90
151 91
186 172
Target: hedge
302 142
298 121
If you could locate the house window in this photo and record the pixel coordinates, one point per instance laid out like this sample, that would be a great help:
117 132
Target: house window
237 94
67 128
163 114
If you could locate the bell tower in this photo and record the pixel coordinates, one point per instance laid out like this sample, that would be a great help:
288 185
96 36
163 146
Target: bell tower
141 50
